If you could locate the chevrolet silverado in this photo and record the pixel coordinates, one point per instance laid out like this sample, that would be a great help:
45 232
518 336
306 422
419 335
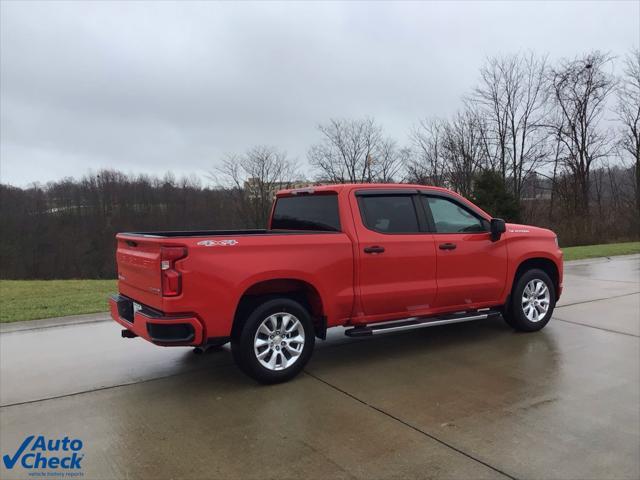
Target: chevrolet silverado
374 258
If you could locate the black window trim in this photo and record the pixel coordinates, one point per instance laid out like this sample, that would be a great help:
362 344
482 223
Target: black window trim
328 194
451 198
421 219
378 192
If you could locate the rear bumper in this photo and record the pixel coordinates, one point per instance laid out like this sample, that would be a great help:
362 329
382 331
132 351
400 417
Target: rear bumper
154 326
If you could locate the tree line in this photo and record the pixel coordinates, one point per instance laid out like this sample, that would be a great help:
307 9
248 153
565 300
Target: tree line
555 145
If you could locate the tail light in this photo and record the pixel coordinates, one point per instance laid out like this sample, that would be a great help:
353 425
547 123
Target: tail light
171 278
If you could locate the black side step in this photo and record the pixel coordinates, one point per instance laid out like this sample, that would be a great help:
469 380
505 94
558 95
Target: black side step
413 323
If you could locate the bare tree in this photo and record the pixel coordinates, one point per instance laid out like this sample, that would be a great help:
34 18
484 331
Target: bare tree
354 151
629 114
426 162
512 99
464 150
449 153
389 160
580 89
255 177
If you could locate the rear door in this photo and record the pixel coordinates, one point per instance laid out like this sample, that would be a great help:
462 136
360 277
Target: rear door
397 258
472 269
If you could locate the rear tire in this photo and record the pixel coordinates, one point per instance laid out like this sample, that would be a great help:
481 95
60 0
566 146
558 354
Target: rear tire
275 341
532 301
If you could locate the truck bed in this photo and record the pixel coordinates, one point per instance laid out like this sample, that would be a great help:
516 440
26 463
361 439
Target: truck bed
221 264
220 233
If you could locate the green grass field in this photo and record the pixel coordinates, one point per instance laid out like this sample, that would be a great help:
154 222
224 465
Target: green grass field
33 299
604 250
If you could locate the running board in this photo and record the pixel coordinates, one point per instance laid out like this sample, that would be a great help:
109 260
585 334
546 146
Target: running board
413 323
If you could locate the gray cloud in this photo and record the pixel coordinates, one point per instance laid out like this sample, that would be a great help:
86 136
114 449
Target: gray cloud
156 86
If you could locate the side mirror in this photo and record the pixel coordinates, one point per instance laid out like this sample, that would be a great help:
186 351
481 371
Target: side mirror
498 227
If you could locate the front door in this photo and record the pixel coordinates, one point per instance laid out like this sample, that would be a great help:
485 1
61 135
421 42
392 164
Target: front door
472 269
397 256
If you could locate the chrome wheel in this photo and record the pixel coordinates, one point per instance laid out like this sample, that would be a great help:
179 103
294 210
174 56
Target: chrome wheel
279 341
536 300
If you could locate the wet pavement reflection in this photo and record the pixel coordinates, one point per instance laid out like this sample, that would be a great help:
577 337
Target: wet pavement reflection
458 401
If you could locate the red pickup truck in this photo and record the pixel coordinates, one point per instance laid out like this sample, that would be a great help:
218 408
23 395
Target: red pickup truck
372 258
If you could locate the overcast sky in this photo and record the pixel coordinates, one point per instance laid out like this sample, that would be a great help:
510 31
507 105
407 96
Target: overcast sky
156 86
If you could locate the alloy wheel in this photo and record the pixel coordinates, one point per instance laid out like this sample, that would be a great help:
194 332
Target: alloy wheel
279 341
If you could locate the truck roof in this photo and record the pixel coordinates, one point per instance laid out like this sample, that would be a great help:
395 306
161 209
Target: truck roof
338 187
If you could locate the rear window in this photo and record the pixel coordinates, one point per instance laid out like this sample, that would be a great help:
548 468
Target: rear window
309 212
389 214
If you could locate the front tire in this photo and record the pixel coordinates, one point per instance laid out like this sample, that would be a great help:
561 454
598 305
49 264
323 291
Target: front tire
533 299
275 342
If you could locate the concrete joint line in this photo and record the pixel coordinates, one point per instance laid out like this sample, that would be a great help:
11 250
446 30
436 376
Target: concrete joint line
597 300
109 387
412 427
594 327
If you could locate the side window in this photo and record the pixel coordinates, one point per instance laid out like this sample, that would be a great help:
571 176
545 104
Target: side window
449 217
389 213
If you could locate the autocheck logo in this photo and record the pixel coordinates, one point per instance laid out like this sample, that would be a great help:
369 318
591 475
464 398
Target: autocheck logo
40 453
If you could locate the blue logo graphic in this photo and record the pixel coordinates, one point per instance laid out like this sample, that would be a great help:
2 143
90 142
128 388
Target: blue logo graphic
40 453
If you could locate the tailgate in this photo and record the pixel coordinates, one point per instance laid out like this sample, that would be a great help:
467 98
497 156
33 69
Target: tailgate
139 270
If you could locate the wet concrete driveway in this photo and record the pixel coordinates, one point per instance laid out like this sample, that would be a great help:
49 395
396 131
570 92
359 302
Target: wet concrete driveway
460 401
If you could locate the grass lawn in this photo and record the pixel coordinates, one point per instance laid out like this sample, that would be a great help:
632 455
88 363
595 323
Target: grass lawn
33 299
604 250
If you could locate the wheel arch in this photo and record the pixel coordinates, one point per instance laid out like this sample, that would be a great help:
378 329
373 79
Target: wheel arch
299 290
545 264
